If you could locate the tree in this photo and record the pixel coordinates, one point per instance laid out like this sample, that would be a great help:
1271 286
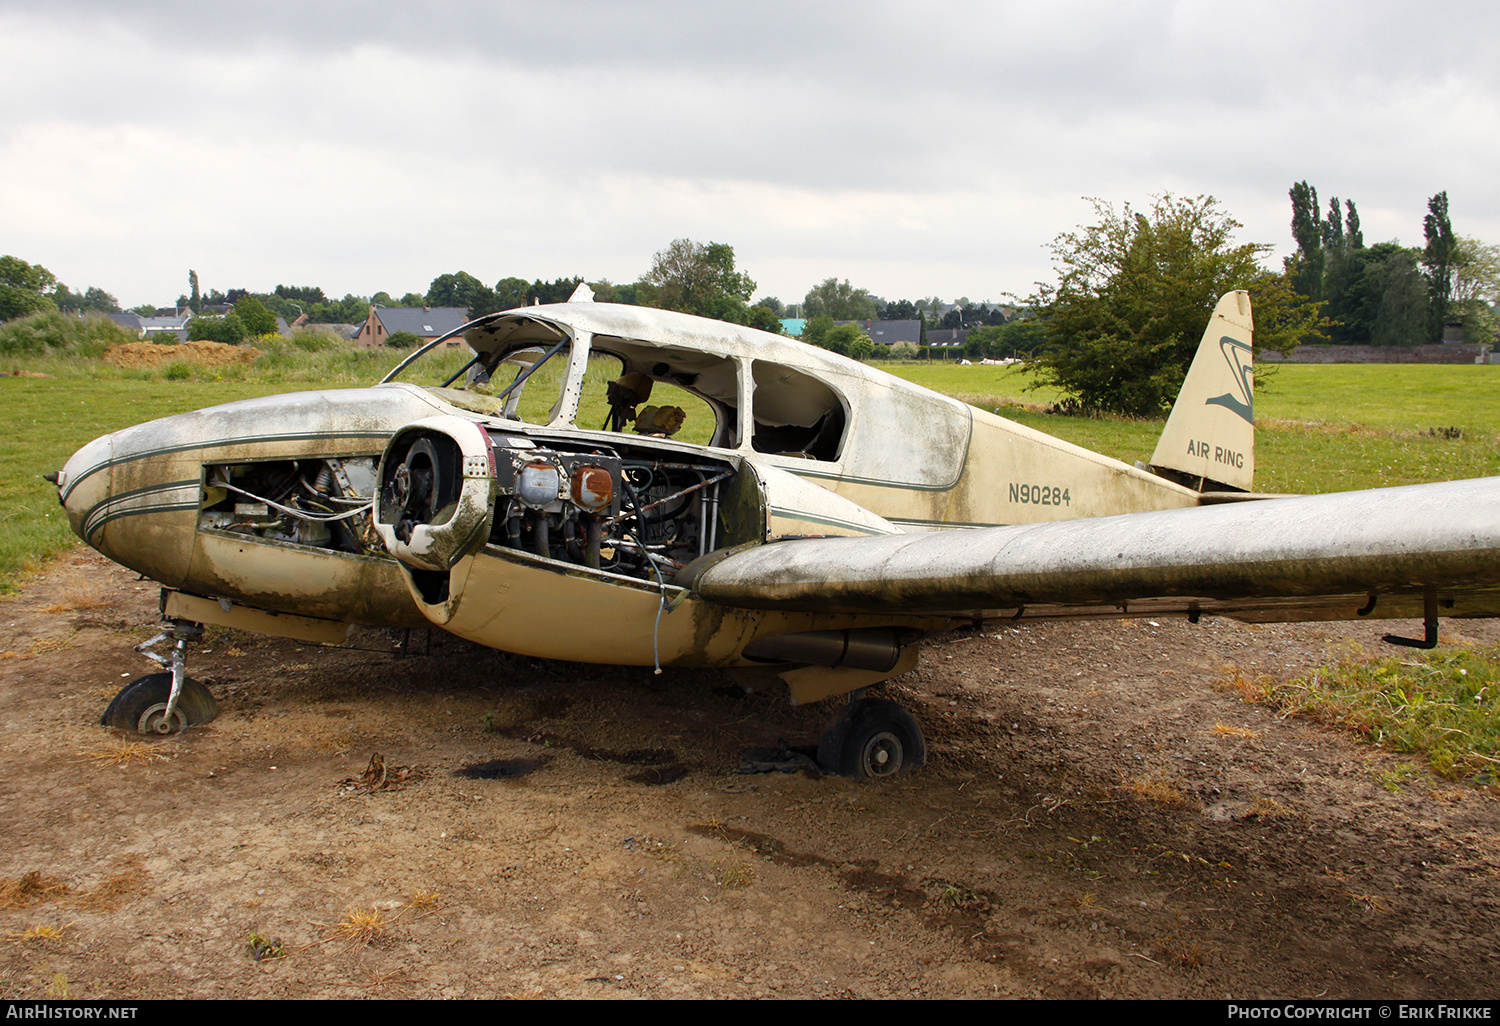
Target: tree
1017 338
839 300
900 310
24 288
764 318
699 279
559 290
1307 230
195 298
1329 260
844 339
307 295
510 293
814 330
1135 291
227 329
1438 260
1476 288
463 290
253 315
93 299
1393 297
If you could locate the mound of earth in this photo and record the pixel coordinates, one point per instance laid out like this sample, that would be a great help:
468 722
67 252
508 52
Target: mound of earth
157 354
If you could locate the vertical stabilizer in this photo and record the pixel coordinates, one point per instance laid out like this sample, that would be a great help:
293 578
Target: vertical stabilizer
1209 440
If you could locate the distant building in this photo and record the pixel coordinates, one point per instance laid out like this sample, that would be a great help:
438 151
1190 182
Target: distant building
129 320
947 338
425 322
888 333
157 328
882 333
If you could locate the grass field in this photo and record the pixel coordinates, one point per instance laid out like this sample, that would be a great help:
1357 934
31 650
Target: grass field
1318 428
1321 428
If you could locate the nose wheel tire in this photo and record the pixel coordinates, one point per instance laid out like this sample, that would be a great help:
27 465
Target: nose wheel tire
872 738
141 705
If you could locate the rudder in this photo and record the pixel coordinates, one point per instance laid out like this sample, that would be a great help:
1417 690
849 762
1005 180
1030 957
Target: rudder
1209 440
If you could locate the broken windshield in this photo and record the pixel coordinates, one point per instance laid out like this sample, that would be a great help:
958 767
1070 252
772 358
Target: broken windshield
516 370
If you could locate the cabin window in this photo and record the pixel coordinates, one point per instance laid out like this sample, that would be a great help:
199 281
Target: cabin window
638 388
796 414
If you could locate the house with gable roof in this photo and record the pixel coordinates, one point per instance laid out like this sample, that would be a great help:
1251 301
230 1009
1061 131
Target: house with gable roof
425 322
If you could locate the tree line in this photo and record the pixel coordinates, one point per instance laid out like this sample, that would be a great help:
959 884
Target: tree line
1389 294
1122 322
1116 330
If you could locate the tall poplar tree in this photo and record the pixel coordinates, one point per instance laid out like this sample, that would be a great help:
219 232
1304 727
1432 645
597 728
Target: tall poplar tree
1438 264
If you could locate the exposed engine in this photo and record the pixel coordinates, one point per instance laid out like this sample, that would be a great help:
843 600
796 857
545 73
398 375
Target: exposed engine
599 508
323 503
610 508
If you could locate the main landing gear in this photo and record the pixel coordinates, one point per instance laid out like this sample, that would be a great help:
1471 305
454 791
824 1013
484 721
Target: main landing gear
872 738
163 703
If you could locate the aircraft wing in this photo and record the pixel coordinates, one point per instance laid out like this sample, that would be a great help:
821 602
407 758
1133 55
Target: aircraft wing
1311 557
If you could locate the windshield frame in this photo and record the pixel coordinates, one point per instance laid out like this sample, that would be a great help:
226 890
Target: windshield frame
424 350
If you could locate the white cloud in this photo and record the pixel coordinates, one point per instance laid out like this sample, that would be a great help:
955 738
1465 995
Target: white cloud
911 149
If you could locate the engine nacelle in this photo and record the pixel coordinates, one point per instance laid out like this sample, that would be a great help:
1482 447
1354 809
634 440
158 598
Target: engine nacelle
436 497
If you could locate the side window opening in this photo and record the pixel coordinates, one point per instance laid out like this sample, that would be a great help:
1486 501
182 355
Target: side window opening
684 394
796 414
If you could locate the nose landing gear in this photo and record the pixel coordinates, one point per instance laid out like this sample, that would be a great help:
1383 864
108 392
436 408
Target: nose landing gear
164 703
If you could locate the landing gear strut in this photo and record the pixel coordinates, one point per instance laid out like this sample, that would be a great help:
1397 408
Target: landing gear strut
160 704
871 738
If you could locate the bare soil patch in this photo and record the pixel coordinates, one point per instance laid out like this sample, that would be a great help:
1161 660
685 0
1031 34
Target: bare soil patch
1101 816
157 354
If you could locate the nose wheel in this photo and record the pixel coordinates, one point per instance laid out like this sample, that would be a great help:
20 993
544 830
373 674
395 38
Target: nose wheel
141 706
168 702
872 738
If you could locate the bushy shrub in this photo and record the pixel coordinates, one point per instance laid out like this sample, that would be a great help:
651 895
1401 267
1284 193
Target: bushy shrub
55 333
315 338
227 329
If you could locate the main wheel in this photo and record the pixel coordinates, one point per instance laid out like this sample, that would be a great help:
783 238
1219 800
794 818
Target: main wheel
141 705
873 737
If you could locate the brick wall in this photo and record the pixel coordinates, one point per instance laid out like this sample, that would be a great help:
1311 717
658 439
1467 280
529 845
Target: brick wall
1450 352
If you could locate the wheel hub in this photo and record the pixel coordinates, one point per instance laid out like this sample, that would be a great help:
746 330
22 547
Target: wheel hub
883 754
154 721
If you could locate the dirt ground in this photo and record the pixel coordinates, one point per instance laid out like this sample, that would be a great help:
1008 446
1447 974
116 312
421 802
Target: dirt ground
155 354
1102 816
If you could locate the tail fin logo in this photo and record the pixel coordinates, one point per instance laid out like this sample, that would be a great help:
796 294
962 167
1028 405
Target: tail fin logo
1238 355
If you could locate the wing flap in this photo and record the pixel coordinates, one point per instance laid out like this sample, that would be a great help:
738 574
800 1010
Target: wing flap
1238 558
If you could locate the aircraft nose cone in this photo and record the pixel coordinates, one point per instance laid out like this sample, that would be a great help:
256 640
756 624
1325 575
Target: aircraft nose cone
134 496
83 487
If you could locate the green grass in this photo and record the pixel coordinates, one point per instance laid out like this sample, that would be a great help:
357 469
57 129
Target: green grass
1401 397
1444 705
42 423
1319 428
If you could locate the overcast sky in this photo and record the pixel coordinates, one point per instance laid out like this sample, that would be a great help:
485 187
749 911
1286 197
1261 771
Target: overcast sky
915 149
